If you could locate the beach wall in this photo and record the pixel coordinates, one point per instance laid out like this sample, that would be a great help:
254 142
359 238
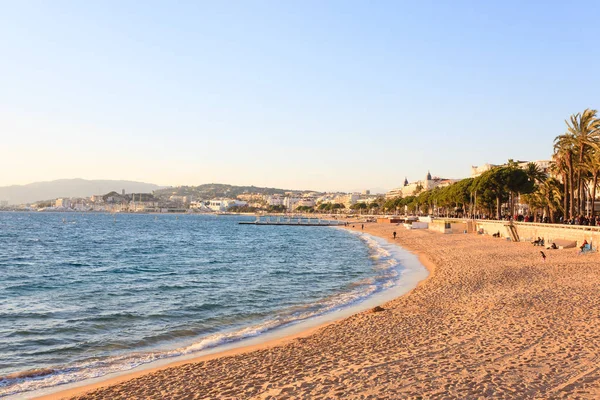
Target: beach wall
443 226
549 232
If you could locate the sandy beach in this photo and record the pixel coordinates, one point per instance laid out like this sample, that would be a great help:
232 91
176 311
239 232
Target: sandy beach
491 321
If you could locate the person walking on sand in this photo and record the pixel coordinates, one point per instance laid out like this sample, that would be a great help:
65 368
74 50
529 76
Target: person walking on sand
362 227
543 256
394 235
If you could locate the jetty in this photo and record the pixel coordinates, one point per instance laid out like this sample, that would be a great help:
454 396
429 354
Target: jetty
291 221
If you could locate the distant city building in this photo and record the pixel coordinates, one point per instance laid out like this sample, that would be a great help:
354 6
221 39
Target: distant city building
62 203
411 189
274 200
224 204
543 165
305 203
394 193
290 202
349 199
180 199
199 206
250 197
478 170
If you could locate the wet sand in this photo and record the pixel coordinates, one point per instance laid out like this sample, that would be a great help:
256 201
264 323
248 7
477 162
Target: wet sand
492 320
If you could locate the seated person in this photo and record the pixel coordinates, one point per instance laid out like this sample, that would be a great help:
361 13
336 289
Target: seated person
583 245
553 246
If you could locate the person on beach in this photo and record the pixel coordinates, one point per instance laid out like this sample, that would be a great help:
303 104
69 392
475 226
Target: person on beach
394 235
583 245
362 227
543 256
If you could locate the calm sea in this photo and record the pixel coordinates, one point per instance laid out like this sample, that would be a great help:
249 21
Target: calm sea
83 296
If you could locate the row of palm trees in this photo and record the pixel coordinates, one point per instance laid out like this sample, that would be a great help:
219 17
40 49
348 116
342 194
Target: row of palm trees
577 161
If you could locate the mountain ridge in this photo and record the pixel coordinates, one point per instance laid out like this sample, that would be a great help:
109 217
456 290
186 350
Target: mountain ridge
76 187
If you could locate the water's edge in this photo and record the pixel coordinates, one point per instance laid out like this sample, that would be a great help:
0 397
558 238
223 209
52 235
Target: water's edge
410 273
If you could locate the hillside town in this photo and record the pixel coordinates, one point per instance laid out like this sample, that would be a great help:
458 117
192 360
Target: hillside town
123 202
231 199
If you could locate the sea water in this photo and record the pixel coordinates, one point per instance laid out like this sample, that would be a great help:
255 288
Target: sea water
86 295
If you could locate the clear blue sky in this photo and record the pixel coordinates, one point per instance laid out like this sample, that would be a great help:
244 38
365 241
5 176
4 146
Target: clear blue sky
326 95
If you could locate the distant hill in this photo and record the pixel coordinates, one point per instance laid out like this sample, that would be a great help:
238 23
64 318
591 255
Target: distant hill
215 190
21 194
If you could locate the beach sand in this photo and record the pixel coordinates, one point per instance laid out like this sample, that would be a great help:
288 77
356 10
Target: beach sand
492 320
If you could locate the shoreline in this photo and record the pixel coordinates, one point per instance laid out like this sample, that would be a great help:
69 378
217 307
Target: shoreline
277 337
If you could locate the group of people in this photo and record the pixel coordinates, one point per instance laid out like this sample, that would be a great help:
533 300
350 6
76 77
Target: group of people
582 220
579 220
538 242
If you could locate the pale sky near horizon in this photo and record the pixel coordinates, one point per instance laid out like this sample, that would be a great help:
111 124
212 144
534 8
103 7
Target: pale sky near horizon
323 95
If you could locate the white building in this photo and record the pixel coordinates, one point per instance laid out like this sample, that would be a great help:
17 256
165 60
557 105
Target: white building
180 199
348 199
274 200
478 170
543 165
225 204
306 202
290 202
412 189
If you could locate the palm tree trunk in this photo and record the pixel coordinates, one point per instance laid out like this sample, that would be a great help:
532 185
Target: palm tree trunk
594 185
579 181
566 196
571 192
578 194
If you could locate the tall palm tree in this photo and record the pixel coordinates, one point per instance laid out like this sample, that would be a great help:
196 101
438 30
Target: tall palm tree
585 128
546 198
592 165
552 193
558 168
564 151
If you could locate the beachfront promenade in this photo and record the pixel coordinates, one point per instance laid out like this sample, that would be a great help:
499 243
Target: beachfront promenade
493 320
528 231
291 221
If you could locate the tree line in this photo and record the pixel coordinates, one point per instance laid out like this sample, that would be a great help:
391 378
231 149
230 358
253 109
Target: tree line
566 193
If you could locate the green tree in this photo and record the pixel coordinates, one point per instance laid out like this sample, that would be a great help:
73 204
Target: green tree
500 183
585 130
358 206
592 165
